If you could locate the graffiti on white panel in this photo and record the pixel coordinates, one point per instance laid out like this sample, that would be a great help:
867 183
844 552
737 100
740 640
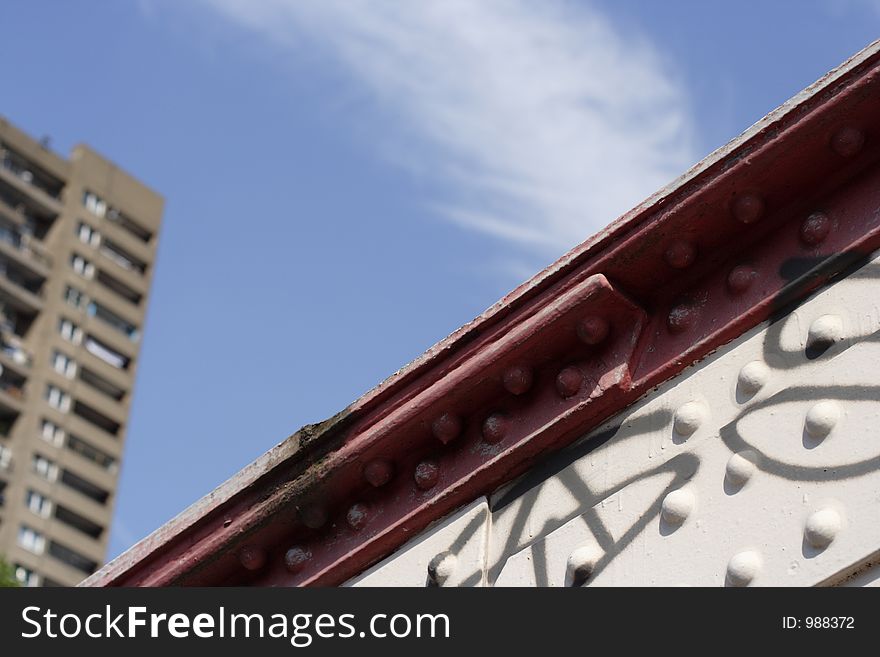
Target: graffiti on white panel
760 466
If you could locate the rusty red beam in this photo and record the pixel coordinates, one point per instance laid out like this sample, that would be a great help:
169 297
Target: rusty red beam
754 227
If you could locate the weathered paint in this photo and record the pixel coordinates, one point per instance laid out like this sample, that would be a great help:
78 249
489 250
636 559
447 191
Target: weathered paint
756 226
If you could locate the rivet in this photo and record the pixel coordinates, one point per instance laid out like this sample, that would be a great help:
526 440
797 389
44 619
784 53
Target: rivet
295 558
313 516
821 418
677 506
743 568
822 527
581 564
378 472
748 208
824 331
569 382
753 376
688 418
426 475
680 254
495 428
592 330
815 229
517 379
741 278
357 516
252 557
446 428
441 568
741 467
681 318
848 141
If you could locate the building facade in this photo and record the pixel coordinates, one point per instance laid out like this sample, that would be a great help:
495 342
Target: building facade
78 241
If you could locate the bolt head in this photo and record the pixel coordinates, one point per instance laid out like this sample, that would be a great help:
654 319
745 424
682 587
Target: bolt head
748 208
569 382
357 516
252 557
847 141
680 254
741 278
518 379
427 474
446 428
495 428
681 318
313 516
815 229
593 330
378 472
296 557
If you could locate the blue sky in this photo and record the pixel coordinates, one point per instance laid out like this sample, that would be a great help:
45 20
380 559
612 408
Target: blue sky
349 181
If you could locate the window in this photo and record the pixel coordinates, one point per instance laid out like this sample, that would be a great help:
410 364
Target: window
74 297
92 453
5 457
82 266
26 576
107 354
37 504
31 540
87 234
70 331
114 321
52 433
64 364
94 204
57 398
45 468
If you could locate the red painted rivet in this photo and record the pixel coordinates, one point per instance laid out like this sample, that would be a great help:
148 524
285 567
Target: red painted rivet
815 229
252 557
446 428
426 475
848 141
357 516
495 428
748 208
569 382
313 516
378 472
740 278
681 318
517 379
295 558
592 330
680 254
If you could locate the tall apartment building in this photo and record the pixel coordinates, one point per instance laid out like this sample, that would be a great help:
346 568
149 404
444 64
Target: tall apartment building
77 244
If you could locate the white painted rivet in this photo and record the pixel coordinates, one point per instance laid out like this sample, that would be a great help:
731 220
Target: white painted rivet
581 563
740 467
753 376
441 568
825 331
689 417
821 419
677 506
743 567
821 528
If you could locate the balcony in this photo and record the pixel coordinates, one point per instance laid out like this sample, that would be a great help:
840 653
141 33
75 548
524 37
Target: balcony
19 288
18 179
24 250
12 355
11 393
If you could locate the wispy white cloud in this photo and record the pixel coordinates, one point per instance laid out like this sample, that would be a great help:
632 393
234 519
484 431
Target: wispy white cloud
544 119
